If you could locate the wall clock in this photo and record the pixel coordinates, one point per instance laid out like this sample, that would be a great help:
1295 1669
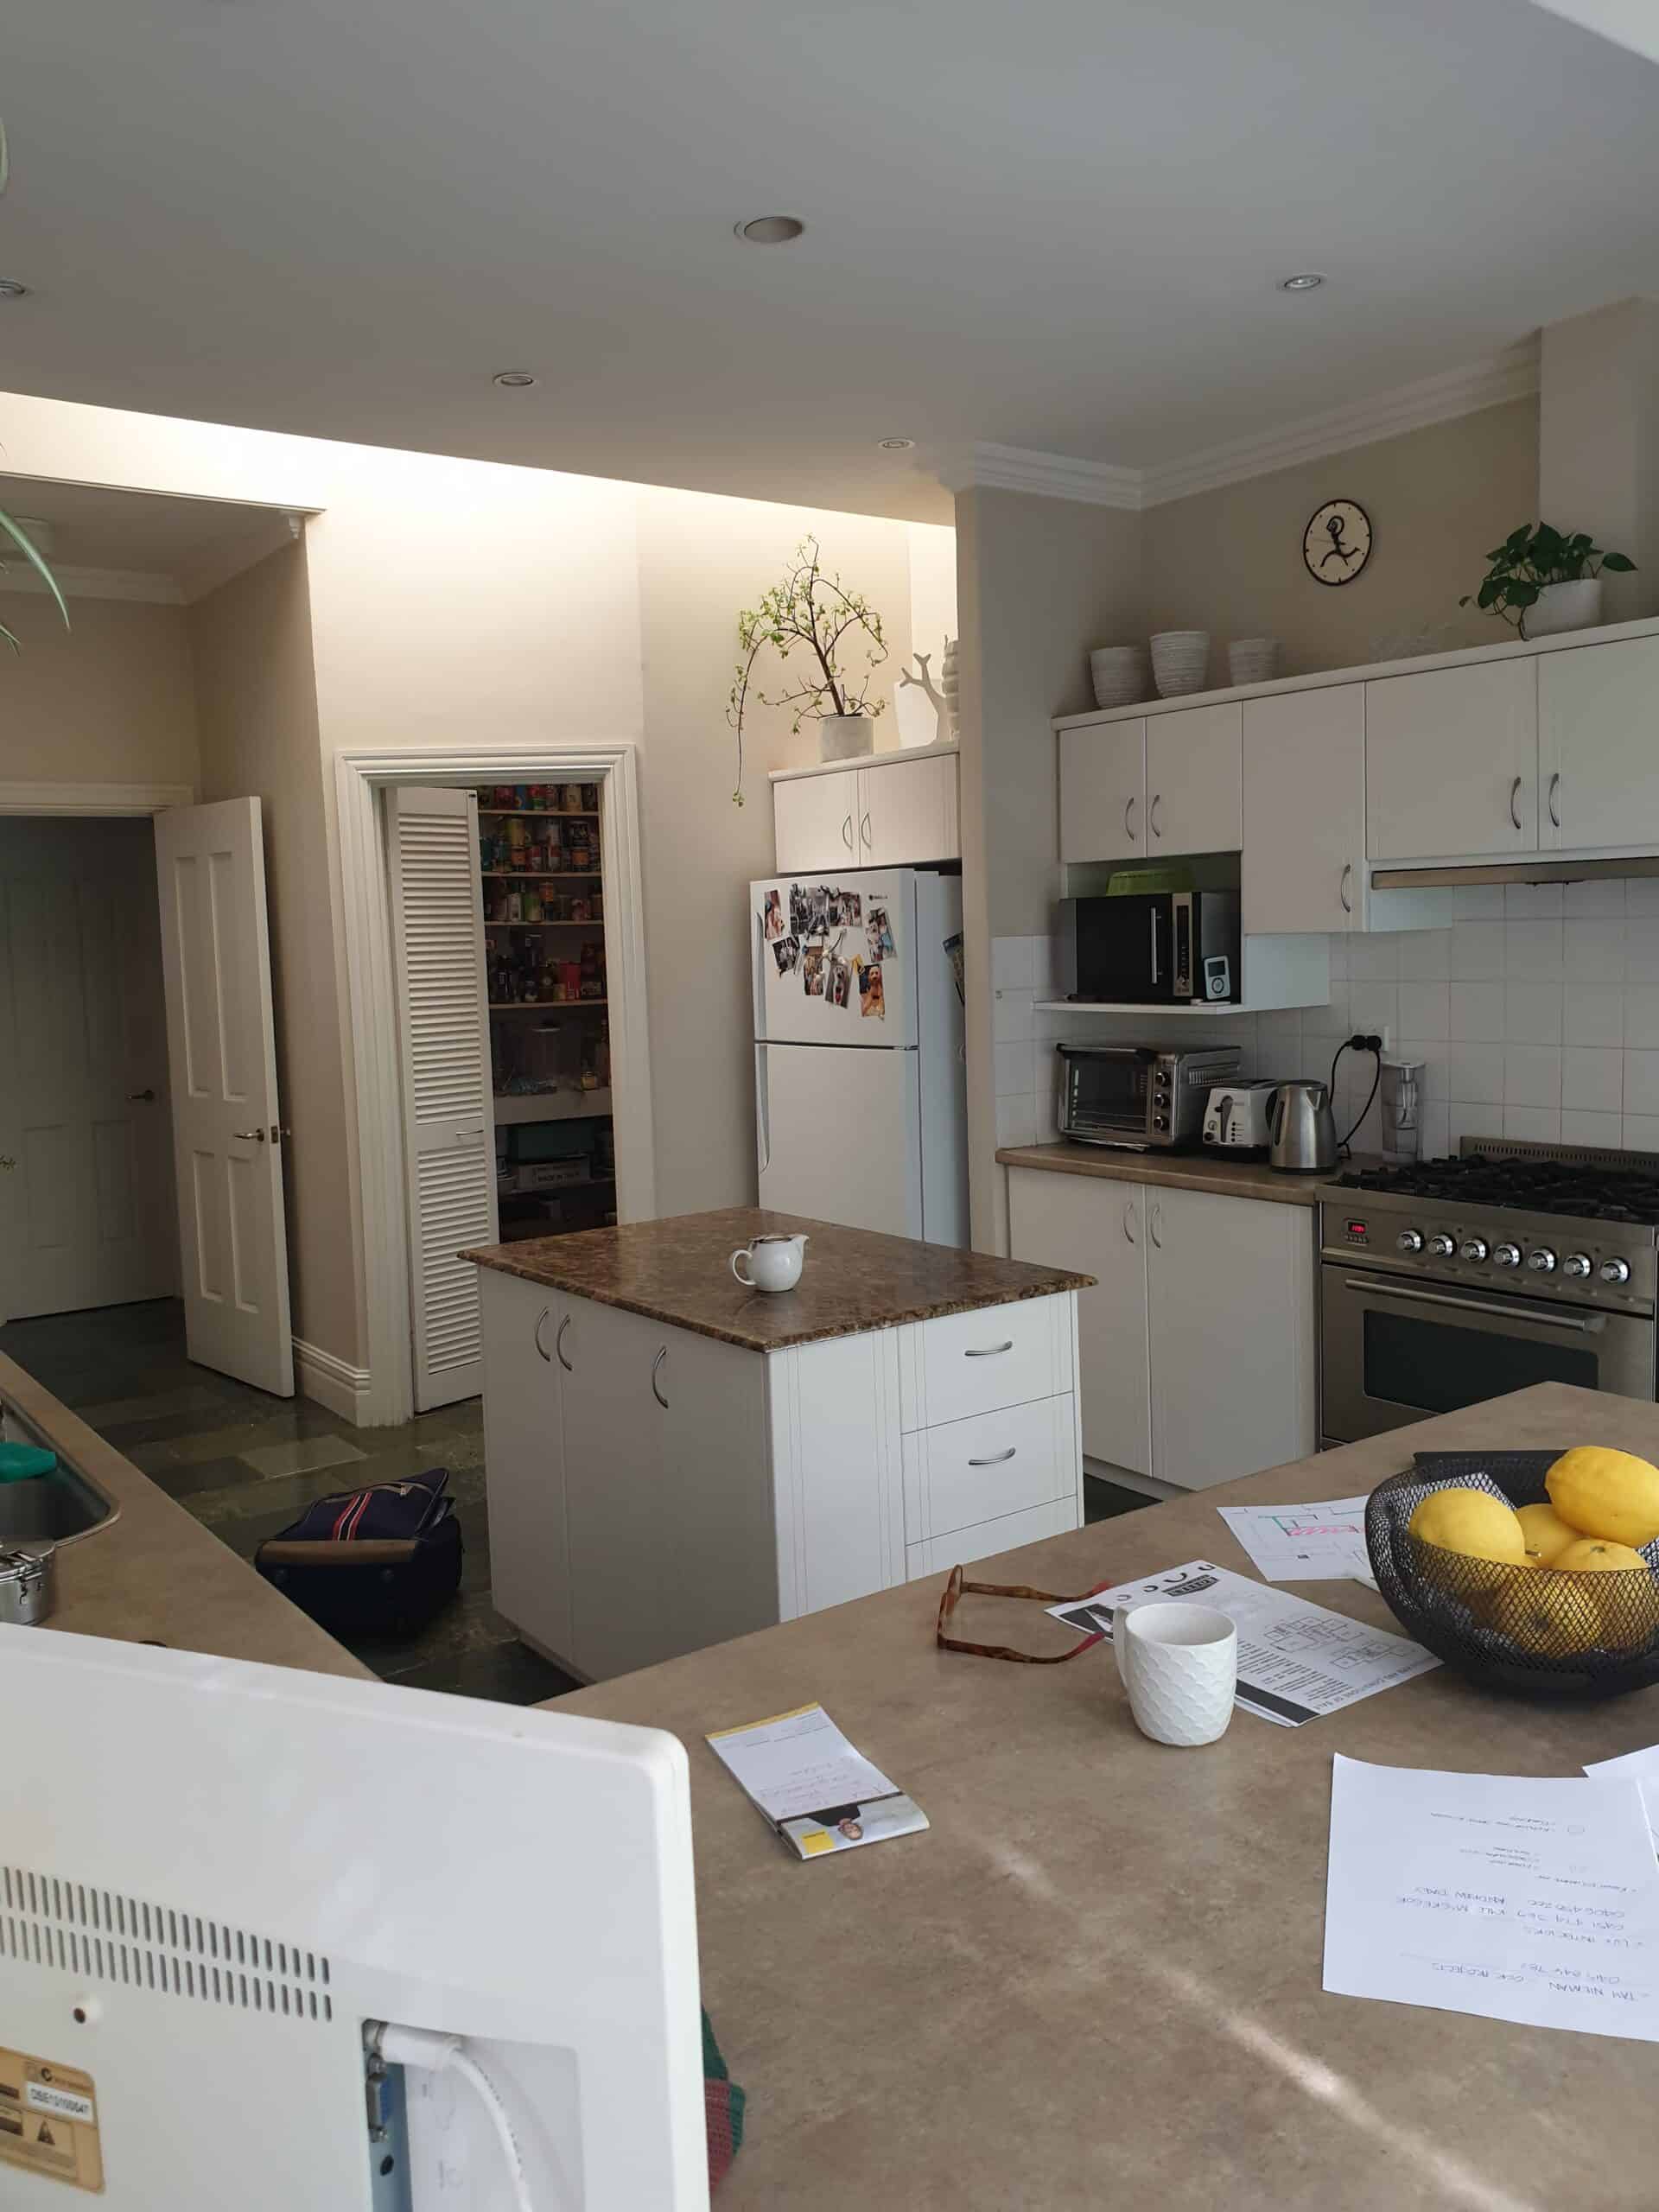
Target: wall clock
1337 543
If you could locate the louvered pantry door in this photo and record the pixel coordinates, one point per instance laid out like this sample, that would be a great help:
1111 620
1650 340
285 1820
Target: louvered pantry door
437 919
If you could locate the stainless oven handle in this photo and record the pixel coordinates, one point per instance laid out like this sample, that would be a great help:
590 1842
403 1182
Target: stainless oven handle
1589 1325
1153 913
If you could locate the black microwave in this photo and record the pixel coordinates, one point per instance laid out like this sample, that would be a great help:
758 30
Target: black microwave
1156 948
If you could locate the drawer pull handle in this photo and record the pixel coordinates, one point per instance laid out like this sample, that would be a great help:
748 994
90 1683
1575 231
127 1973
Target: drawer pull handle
996 1458
989 1351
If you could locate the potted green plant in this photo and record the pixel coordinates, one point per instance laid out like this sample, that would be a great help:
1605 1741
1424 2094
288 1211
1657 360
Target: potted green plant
1544 582
812 609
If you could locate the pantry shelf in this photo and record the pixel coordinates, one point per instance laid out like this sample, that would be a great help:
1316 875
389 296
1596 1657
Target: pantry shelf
548 1006
536 814
541 874
515 1107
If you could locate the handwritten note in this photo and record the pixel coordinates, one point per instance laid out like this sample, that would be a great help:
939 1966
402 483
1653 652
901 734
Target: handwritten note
1532 1900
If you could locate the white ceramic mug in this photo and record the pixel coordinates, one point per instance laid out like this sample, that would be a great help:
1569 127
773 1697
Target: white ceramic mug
775 1262
1179 1665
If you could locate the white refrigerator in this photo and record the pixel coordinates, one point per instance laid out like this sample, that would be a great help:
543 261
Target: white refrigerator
860 1090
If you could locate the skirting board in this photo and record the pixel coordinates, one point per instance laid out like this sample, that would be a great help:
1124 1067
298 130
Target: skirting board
332 1383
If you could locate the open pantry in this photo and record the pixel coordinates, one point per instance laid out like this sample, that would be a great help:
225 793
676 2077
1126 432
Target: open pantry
542 878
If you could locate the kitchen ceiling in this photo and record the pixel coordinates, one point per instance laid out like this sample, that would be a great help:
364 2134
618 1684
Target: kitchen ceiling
1059 226
139 533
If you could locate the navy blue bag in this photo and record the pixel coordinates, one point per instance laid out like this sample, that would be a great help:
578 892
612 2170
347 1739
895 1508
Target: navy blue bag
380 1562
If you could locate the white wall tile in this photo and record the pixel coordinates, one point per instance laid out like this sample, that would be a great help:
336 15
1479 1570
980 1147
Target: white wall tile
1011 962
1642 895
1479 902
1642 1016
1642 1083
1433 1138
1532 1014
1373 958
1579 1127
1594 951
1533 951
1016 1119
1425 956
1044 966
1477 949
1045 1069
1523 901
1603 896
1472 1120
1540 1122
1594 1014
1593 1078
1012 1016
1532 1075
1425 1010
1476 1010
1640 1132
1339 954
1642 947
1475 1074
1014 1069
1374 1007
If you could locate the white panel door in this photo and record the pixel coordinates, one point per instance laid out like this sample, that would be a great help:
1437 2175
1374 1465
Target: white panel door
907 813
1232 1283
1598 745
1303 866
437 923
1104 791
1098 1228
815 820
87 1213
1192 780
803 926
226 1117
841 1137
1452 762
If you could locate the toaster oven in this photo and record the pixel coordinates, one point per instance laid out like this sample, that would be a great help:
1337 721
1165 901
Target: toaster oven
1139 1096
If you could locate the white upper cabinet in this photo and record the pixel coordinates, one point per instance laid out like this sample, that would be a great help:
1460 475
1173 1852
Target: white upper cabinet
1303 866
815 820
1452 762
907 812
1598 746
1104 791
1192 780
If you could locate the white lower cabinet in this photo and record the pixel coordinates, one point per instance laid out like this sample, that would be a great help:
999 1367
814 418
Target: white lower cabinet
963 1546
1197 1348
653 1489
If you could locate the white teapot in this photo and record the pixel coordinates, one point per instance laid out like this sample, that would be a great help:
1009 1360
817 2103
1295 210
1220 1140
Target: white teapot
775 1262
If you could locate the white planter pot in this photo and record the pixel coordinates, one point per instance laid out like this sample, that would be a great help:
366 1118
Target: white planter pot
1122 675
1253 660
843 737
1576 606
1179 658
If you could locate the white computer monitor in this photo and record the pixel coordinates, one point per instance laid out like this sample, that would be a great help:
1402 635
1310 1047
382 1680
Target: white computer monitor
214 1874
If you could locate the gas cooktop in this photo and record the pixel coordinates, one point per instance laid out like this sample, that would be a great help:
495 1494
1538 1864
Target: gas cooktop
1592 1191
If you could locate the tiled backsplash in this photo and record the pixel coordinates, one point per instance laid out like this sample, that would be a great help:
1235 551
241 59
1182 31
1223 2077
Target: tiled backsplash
1535 1014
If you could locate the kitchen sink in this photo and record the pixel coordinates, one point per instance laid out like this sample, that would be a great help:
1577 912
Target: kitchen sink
47 1509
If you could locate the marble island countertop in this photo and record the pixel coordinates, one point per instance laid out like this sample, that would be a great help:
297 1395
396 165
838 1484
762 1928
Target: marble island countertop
678 1270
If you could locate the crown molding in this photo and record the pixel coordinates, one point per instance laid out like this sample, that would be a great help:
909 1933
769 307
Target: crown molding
1051 476
1512 374
148 586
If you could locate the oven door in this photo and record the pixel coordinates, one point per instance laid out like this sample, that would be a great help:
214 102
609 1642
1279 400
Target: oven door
1395 1351
1107 1093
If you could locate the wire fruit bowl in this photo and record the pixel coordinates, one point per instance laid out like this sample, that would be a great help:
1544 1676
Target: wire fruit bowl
1528 1630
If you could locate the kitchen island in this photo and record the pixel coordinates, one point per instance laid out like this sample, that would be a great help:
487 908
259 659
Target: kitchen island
673 1459
1096 1977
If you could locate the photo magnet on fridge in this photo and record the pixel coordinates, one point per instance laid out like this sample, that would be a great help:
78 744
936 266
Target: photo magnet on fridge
953 953
871 1003
818 910
796 911
878 934
774 915
787 953
840 982
813 965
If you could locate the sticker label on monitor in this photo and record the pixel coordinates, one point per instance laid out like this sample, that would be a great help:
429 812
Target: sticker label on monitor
48 2120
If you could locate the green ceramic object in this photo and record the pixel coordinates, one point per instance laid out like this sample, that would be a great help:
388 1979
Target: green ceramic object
21 1463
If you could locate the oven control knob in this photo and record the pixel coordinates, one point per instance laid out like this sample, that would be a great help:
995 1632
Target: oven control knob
1409 1240
1542 1259
1473 1247
1506 1256
1161 1121
1442 1245
1615 1271
1578 1265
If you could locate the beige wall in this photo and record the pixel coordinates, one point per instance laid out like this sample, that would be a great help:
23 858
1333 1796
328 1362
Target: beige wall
257 699
1230 562
109 701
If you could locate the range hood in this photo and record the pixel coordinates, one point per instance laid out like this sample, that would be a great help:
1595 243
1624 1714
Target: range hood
1535 869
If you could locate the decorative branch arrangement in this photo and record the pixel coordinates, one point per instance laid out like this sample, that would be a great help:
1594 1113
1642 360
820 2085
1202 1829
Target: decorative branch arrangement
811 608
1530 559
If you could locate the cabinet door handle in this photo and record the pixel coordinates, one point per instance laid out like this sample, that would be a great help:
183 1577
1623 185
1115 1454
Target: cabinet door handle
1342 888
536 1332
847 833
1128 1221
987 1351
996 1458
558 1345
1554 788
864 837
656 1390
1154 1219
1515 793
1129 823
1152 814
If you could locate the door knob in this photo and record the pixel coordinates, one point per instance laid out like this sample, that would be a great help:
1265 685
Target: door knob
142 1098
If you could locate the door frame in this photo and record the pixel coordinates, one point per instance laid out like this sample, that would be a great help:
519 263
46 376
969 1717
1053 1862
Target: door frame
364 891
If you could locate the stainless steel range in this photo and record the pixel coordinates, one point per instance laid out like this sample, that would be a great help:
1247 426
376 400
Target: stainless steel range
1452 1281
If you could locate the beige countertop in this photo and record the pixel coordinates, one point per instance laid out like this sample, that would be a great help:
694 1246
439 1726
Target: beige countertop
154 1574
1217 1171
1096 1978
678 1270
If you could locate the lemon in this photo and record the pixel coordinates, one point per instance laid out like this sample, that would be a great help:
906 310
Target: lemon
1602 1492
1627 1610
1546 1533
1472 1523
1556 1615
1593 1555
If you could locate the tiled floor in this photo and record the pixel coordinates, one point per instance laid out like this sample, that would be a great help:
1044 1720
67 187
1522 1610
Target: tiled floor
244 1465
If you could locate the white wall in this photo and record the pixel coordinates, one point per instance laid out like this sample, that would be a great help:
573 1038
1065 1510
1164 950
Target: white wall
108 701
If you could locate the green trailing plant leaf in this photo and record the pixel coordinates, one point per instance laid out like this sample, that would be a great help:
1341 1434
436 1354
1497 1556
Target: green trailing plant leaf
20 537
811 610
1533 556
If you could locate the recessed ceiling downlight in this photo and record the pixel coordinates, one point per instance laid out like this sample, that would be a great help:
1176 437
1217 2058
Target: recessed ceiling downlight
514 380
894 445
1309 281
770 230
11 289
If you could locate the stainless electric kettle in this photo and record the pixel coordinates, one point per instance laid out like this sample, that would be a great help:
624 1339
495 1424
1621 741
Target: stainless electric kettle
1301 1135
